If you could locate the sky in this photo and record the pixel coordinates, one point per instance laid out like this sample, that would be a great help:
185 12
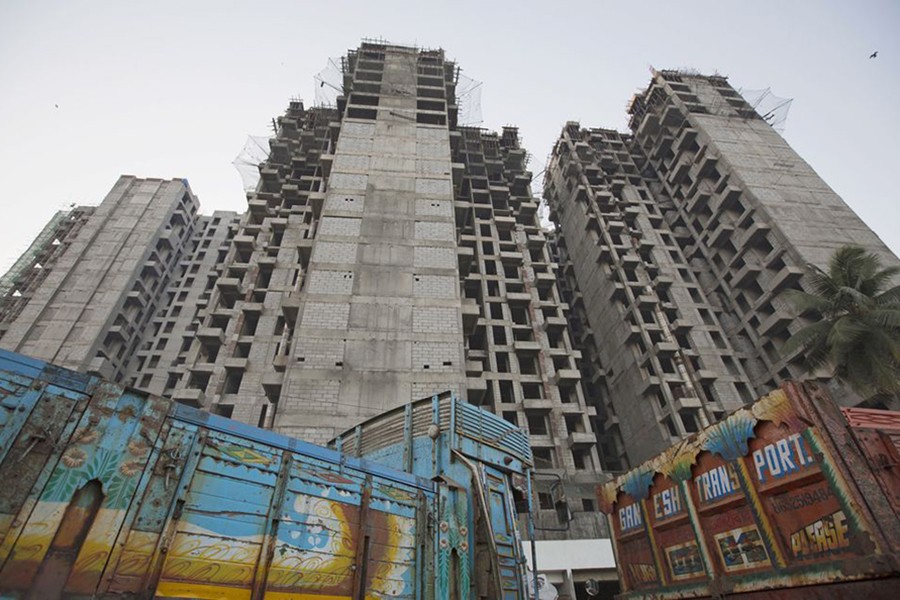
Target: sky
92 90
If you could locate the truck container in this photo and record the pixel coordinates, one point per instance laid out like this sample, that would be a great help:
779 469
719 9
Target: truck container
790 497
108 492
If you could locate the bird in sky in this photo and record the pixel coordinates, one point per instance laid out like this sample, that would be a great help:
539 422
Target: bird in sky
874 54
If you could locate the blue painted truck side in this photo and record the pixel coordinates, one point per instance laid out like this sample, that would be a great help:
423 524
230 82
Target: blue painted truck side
108 492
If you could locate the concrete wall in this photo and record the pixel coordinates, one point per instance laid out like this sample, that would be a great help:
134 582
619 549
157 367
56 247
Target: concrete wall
91 311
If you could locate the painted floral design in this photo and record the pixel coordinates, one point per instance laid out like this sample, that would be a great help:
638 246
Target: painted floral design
138 448
131 468
74 457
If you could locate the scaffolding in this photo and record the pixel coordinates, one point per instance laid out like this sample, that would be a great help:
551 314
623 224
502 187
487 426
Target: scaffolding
32 257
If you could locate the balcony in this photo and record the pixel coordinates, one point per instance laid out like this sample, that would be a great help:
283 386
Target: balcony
527 347
464 257
774 323
706 375
687 402
290 306
236 363
786 277
528 208
538 404
554 324
699 199
326 160
721 234
663 282
679 171
505 222
118 331
304 250
211 335
650 383
754 234
685 138
545 280
257 206
569 376
680 326
190 396
316 200
518 297
470 315
746 274
605 255
537 240
580 439
252 307
291 192
645 300
229 286
665 348
476 388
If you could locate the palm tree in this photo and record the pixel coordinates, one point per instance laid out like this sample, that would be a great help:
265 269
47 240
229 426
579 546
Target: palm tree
856 332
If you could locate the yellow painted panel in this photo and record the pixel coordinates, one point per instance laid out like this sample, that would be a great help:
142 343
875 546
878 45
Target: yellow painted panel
171 589
176 589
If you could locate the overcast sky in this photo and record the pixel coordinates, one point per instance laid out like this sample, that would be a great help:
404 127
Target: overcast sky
92 90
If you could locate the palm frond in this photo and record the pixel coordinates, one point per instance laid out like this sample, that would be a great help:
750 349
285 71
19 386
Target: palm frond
885 317
852 300
877 282
805 302
846 331
821 283
889 297
857 321
807 338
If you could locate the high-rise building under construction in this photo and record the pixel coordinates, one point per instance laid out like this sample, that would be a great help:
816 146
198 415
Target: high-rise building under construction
387 253
675 243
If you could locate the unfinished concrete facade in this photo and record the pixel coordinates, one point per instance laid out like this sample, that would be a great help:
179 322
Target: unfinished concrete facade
679 239
106 272
387 254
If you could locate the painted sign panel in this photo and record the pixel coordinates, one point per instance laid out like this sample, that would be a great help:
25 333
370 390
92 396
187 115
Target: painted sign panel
760 500
641 571
741 549
667 503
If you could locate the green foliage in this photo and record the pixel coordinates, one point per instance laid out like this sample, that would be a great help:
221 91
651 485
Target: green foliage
856 328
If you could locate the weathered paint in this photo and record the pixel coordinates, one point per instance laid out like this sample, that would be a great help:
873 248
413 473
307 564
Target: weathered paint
781 495
109 492
481 458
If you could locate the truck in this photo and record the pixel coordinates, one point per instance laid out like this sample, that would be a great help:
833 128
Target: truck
790 497
109 492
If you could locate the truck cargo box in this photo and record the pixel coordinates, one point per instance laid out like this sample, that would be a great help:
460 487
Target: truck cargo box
108 492
787 498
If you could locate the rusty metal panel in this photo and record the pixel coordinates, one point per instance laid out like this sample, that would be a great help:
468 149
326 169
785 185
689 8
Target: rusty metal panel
878 434
134 566
99 469
33 446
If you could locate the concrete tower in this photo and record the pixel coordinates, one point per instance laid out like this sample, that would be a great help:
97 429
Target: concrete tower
387 254
678 240
87 292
